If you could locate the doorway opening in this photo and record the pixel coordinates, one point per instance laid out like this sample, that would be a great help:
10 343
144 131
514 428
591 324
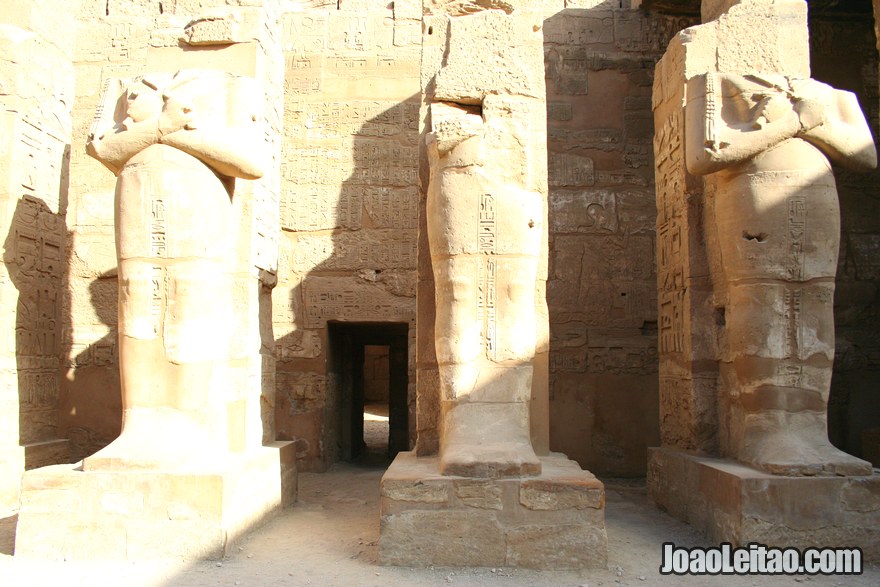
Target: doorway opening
370 362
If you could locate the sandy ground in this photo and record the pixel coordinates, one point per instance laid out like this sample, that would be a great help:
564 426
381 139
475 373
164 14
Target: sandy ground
330 538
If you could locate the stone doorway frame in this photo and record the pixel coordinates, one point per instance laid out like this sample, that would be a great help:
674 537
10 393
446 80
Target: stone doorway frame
346 360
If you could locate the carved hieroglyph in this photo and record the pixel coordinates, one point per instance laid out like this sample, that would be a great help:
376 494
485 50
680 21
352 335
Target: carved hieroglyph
768 140
486 209
175 142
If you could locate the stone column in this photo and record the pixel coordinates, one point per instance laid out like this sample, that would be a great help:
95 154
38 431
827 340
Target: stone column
487 498
486 210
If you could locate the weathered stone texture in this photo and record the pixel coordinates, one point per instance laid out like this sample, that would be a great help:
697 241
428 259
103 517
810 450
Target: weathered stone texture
601 289
38 87
69 514
349 197
553 521
735 503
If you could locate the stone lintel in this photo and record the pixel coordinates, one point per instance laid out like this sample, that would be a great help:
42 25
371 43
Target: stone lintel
732 502
70 514
553 521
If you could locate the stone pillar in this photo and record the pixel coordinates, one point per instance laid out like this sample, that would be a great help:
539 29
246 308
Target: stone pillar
746 257
196 241
37 76
486 207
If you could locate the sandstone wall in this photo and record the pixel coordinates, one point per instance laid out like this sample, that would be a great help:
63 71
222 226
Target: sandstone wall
843 54
349 200
36 77
602 285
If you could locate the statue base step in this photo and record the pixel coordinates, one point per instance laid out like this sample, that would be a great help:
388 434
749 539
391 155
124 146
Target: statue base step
67 513
552 521
735 503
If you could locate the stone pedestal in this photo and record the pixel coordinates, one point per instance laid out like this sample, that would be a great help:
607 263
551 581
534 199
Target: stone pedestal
552 521
67 513
735 503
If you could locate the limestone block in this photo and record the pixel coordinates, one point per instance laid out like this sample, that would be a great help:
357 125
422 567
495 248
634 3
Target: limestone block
351 299
478 493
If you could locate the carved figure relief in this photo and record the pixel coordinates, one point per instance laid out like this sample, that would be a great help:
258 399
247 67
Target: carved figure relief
766 141
175 143
485 241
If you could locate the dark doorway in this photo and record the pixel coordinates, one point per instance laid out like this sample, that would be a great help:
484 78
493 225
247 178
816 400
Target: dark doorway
370 363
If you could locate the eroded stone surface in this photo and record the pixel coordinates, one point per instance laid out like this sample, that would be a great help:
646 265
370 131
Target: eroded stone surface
763 141
551 521
739 504
486 211
175 145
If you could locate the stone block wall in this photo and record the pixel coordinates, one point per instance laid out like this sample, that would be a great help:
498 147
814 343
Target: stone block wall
854 406
37 78
349 201
601 289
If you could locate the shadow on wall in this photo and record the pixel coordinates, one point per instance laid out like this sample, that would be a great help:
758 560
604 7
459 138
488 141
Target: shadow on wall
91 397
348 254
36 264
602 284
843 54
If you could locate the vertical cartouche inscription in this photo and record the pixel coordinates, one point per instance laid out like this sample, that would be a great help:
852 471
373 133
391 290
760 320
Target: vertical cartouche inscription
156 287
158 246
671 281
487 297
797 223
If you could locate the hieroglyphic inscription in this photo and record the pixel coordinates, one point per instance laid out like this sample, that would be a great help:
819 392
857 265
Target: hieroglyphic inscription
99 354
579 30
670 178
39 161
38 388
320 208
156 294
329 301
390 207
570 170
302 74
37 250
341 120
668 154
304 32
560 111
671 281
158 243
792 301
797 222
379 249
487 232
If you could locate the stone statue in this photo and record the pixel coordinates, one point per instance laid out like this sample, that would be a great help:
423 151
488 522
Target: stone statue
175 142
766 142
485 241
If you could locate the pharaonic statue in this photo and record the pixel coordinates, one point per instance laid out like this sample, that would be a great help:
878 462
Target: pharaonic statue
485 241
766 141
176 143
